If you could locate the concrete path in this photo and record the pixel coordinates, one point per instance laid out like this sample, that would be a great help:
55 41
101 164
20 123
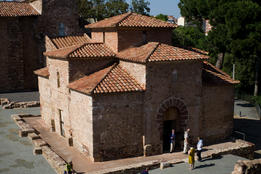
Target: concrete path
223 165
245 109
82 164
16 154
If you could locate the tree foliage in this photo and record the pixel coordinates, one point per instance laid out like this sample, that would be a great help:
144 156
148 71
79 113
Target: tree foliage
162 17
100 9
236 32
140 6
189 37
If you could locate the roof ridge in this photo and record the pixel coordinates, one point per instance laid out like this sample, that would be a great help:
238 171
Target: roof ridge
125 17
76 48
112 67
229 79
154 49
217 69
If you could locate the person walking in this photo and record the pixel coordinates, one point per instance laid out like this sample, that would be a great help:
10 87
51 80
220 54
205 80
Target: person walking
199 148
69 168
172 141
191 156
186 141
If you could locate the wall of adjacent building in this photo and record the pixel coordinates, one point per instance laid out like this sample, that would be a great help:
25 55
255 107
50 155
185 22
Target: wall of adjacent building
118 125
171 79
19 53
217 112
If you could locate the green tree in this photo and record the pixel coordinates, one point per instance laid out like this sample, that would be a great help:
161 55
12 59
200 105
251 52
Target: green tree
236 31
162 17
189 37
116 7
140 6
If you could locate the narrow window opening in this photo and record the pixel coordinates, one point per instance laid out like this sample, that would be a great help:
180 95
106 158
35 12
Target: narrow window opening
144 37
58 80
61 29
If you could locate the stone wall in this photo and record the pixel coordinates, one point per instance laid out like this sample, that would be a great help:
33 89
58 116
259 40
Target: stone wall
247 167
118 126
59 95
82 122
11 55
180 80
128 38
45 100
136 70
65 12
79 68
217 112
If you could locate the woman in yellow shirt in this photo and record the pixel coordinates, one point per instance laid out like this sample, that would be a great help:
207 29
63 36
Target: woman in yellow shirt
191 156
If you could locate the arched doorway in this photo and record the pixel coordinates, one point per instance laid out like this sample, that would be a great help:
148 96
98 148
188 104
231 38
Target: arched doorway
172 114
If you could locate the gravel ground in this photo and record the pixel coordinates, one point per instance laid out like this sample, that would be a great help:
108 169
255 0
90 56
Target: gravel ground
16 154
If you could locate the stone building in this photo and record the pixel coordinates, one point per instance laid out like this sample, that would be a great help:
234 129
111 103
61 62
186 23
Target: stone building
127 83
23 26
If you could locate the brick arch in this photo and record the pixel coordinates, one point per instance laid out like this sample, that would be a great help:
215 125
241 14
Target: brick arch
177 103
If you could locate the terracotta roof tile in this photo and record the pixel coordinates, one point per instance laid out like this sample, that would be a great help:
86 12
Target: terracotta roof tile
166 52
13 9
154 51
84 50
213 74
131 20
63 42
140 54
43 72
112 79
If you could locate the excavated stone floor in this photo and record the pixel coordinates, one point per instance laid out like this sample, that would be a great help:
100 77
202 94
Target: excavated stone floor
83 165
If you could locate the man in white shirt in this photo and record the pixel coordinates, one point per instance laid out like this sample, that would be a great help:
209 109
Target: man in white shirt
186 144
199 148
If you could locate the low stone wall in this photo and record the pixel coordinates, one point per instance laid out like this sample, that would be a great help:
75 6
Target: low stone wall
245 150
247 167
4 101
40 146
6 104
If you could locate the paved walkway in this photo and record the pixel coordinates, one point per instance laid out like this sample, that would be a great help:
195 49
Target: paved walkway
223 165
83 164
16 154
245 109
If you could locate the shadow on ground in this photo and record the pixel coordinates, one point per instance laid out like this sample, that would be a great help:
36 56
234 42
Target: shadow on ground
252 129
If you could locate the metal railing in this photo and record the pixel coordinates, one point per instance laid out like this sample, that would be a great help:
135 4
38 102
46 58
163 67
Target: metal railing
242 134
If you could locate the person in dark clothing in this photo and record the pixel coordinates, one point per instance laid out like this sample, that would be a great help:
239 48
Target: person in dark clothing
172 141
146 171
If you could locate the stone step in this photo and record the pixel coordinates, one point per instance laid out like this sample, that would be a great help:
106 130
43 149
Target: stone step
33 136
39 143
37 151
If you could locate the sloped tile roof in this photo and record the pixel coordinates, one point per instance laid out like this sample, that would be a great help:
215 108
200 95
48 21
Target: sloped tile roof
139 54
14 9
43 72
67 41
154 51
84 50
213 74
131 20
113 79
